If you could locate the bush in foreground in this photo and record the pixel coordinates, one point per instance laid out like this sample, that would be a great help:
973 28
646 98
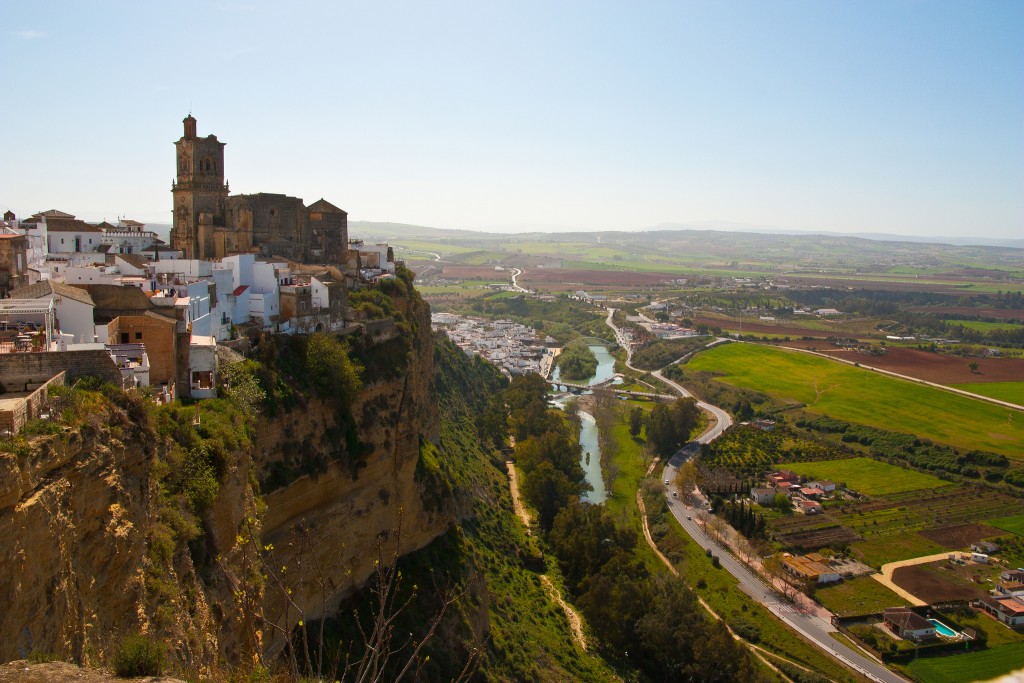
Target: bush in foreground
139 655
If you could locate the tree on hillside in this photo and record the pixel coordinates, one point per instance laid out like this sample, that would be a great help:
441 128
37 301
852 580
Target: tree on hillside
549 490
636 421
687 477
584 537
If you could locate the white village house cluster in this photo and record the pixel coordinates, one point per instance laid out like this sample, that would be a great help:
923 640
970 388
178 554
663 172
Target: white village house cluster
113 300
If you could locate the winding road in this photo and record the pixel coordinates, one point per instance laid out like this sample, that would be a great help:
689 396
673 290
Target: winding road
813 627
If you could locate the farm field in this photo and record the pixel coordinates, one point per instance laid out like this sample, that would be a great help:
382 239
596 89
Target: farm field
867 476
932 366
1004 391
857 395
885 549
997 313
984 326
902 526
935 582
975 666
1014 525
860 595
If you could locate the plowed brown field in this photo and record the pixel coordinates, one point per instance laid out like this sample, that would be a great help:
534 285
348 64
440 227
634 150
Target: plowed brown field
940 368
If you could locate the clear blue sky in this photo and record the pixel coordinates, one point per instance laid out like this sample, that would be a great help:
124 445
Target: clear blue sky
896 116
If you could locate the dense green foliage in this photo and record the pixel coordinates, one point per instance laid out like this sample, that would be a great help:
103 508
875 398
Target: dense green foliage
750 453
661 352
650 615
547 449
487 555
918 452
577 361
669 427
139 655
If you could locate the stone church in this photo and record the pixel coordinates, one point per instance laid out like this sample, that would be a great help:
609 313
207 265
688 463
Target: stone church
209 223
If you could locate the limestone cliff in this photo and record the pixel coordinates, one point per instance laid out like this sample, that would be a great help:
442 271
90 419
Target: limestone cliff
107 534
338 524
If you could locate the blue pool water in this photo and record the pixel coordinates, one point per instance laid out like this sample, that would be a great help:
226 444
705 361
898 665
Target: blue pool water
943 630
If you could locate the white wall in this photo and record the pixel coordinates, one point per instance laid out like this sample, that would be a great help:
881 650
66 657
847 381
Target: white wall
190 267
76 318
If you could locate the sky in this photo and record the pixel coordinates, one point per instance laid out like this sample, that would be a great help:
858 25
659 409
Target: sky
901 116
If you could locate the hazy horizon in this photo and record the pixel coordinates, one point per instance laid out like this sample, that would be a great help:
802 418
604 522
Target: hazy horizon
877 117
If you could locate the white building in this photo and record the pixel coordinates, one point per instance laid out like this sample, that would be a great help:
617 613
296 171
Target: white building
74 309
128 237
202 367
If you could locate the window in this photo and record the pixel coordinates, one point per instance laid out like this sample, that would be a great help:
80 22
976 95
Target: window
138 335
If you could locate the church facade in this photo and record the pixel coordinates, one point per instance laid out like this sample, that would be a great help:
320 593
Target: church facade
210 223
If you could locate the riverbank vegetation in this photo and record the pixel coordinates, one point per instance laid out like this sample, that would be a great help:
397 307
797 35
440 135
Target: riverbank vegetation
631 604
576 362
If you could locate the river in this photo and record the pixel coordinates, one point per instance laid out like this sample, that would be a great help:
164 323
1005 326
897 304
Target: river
591 458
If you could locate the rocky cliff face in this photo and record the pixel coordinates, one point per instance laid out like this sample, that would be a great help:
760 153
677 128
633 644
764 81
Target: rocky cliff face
81 521
328 531
73 518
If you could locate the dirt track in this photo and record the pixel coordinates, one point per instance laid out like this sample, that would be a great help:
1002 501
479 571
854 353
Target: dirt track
885 577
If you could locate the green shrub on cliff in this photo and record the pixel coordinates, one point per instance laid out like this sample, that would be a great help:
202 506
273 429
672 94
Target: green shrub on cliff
139 655
330 371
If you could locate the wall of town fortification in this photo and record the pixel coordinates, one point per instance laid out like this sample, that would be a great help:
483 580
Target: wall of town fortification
20 369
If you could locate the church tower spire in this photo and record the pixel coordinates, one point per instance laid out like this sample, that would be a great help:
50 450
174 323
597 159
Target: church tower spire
200 194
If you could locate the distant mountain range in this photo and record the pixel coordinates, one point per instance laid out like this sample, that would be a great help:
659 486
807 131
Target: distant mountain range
877 236
382 230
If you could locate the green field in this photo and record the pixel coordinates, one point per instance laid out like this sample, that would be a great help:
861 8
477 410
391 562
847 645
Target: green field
893 548
984 326
1015 524
849 393
1004 391
867 476
976 666
861 595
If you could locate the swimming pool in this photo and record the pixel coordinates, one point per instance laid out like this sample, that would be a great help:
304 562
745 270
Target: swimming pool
943 630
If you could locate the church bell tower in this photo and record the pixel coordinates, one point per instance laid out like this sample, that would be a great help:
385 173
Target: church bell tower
200 193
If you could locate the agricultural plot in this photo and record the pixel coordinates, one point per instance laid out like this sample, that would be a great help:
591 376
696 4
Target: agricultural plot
1014 524
984 326
856 395
976 666
887 529
1004 391
935 582
860 595
867 476
881 550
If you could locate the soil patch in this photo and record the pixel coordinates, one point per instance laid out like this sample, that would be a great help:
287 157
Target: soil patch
22 671
930 366
928 583
606 278
994 313
749 327
960 536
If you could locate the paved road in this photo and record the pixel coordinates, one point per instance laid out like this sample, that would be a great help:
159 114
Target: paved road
811 626
516 272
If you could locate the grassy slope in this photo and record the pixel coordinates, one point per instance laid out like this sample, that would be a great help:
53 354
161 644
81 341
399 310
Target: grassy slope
529 635
868 476
884 549
858 395
1015 524
1004 391
976 666
861 595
